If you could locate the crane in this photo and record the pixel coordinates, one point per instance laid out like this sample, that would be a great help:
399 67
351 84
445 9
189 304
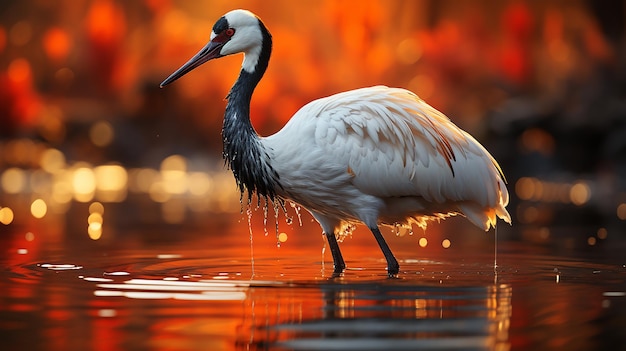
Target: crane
375 155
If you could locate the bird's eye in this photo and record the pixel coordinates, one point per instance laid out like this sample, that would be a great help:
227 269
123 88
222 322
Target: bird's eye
230 32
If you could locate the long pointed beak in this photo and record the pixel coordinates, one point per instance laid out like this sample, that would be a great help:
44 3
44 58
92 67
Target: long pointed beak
209 52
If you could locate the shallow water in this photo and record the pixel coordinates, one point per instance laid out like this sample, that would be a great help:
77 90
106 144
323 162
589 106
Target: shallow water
208 288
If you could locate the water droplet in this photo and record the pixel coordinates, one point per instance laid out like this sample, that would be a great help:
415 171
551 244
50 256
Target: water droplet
265 219
396 228
276 219
249 212
296 207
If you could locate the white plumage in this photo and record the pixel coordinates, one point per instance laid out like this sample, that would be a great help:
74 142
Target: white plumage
374 155
382 154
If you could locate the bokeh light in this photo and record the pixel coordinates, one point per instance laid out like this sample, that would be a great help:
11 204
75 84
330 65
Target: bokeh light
422 242
38 208
52 160
13 180
101 133
56 43
282 237
95 220
111 182
84 184
6 215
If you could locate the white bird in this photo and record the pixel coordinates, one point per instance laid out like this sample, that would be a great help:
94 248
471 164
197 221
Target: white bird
374 155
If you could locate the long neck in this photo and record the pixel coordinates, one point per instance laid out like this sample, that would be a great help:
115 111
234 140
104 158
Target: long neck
243 150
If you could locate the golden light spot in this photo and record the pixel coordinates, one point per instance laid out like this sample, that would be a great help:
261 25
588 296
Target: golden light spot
96 207
142 179
525 188
602 233
111 182
95 218
6 215
101 133
580 193
62 192
84 184
445 243
282 237
422 242
95 231
621 211
95 226
29 236
52 160
199 183
38 208
173 172
13 180
157 192
174 163
591 241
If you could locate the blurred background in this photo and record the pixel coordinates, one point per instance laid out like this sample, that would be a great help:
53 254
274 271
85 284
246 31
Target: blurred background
84 125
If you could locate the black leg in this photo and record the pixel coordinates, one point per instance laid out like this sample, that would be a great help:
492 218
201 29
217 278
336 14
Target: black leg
338 262
392 264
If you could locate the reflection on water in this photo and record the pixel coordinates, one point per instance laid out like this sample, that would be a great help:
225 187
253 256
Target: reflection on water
202 293
376 316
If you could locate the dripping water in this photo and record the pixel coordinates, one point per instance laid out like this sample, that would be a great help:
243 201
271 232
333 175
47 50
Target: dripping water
495 254
265 210
276 222
249 215
296 208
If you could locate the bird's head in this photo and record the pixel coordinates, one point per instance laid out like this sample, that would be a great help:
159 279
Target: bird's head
235 32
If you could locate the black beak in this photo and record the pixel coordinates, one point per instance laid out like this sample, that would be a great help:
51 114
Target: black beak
209 52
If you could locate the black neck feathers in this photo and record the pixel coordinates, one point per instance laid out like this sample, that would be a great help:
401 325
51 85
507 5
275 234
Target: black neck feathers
243 151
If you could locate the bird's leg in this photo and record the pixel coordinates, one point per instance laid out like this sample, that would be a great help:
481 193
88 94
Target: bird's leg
338 262
392 264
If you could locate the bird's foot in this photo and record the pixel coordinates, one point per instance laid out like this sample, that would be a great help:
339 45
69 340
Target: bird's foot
339 267
393 268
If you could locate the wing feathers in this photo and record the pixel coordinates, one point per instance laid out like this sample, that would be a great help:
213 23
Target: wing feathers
396 145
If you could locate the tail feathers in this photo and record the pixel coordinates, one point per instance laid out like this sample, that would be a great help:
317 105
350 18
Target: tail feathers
482 217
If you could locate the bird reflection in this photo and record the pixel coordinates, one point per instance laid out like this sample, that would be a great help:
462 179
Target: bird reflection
377 315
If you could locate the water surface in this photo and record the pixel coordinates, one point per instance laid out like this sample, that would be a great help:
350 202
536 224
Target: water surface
209 288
